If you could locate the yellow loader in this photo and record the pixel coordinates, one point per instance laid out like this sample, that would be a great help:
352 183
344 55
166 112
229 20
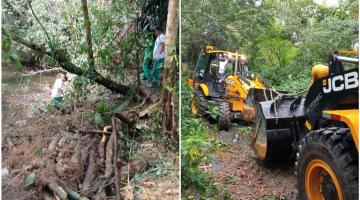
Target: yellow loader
320 130
222 79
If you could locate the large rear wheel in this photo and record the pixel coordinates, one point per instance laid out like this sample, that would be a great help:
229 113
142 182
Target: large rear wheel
224 115
327 166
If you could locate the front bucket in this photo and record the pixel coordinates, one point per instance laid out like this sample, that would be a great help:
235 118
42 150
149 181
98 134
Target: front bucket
276 127
254 96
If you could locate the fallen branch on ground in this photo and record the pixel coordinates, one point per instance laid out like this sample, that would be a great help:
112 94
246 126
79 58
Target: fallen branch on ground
91 132
117 181
62 58
57 190
124 119
32 73
90 173
108 157
148 110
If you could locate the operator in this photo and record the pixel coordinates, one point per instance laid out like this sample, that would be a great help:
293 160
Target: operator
57 93
158 55
147 59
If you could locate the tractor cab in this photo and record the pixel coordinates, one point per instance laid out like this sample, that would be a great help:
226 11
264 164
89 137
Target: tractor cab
214 66
222 79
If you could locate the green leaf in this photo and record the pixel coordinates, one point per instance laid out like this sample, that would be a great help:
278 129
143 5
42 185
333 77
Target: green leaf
4 172
15 61
122 106
29 180
98 119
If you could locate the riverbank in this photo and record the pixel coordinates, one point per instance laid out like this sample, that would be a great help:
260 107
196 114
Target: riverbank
49 148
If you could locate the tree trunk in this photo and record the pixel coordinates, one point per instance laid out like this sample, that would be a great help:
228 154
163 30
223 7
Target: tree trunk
169 79
87 25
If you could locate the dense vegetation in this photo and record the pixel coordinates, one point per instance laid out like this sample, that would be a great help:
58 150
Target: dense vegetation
283 40
100 44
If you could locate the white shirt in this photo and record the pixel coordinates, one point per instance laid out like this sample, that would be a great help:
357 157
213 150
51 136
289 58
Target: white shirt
156 52
56 91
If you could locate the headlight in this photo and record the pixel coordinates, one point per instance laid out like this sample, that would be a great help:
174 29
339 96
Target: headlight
252 75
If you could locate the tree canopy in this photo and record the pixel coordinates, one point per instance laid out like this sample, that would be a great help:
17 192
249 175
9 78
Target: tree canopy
285 37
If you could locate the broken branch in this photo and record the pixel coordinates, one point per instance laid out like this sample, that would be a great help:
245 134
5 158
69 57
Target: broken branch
57 190
90 173
117 181
124 119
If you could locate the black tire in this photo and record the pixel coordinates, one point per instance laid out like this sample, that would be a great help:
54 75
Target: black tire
200 104
224 116
335 147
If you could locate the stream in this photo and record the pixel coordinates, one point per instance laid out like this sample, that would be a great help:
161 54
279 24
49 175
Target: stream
23 95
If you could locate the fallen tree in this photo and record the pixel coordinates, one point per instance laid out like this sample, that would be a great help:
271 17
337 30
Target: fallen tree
62 58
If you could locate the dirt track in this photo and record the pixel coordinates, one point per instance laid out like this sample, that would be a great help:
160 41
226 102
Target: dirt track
244 176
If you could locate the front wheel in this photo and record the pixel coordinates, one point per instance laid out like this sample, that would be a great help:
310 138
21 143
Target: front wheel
327 165
224 116
198 104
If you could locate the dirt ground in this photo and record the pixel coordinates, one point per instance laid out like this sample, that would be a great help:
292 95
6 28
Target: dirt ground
49 146
245 177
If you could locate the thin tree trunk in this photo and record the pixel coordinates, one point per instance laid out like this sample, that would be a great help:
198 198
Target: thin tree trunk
169 79
87 25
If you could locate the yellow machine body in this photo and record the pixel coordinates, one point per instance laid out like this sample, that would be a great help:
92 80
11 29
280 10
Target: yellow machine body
238 91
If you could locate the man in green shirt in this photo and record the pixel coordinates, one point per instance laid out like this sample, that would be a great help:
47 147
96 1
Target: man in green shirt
158 55
147 59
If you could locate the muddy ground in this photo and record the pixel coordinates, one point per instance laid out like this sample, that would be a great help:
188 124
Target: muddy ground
47 148
245 177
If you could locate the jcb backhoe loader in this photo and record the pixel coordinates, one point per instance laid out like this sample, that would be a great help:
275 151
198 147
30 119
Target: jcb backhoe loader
320 130
222 79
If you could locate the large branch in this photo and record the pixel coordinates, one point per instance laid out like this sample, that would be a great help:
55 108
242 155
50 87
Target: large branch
60 55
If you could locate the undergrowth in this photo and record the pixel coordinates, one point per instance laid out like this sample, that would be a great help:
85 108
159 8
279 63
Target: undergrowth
197 148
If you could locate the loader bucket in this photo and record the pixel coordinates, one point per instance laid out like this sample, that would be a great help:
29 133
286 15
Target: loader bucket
254 96
275 125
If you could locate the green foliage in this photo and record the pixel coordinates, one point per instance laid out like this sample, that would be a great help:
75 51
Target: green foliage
29 180
101 114
246 130
39 152
197 147
116 30
281 38
213 111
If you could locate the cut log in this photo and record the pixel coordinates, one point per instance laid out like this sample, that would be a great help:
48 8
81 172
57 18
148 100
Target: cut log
57 190
54 142
109 156
74 195
90 173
